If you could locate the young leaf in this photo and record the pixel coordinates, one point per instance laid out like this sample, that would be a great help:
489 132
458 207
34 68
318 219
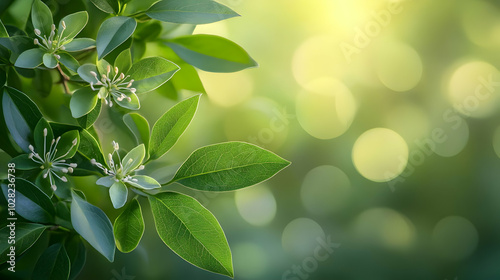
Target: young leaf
124 61
79 44
139 127
151 72
53 264
74 23
30 59
83 102
133 159
93 225
171 126
129 227
69 61
118 193
191 231
23 162
112 33
43 134
89 119
49 60
190 11
41 17
21 116
31 203
84 72
68 144
26 235
211 53
107 6
144 182
228 166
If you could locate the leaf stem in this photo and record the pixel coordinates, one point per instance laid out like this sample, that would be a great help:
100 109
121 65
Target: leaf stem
64 78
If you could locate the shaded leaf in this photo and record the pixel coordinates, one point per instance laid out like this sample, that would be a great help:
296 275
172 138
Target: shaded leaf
118 193
129 227
30 59
139 127
53 264
190 11
112 33
26 235
79 44
150 73
83 101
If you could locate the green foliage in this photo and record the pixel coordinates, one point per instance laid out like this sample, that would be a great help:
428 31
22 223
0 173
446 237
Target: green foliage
74 80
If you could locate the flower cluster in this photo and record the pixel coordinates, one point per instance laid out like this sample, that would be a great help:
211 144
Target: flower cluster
53 166
52 43
120 171
119 86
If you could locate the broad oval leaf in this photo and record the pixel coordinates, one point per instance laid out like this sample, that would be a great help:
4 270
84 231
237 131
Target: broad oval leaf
79 44
31 203
144 182
133 159
84 72
93 225
89 119
150 73
23 162
118 193
83 102
49 60
139 127
169 127
124 61
74 24
69 61
112 33
21 116
191 231
41 17
26 235
53 264
30 59
190 11
228 166
77 254
107 6
211 53
68 145
129 227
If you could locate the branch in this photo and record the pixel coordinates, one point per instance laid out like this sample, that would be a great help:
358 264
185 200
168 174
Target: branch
64 78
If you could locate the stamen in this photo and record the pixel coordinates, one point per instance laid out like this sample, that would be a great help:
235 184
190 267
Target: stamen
53 27
37 32
53 187
63 24
35 41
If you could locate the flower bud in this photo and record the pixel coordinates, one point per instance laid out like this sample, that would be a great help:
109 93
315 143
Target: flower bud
53 27
37 32
35 41
63 24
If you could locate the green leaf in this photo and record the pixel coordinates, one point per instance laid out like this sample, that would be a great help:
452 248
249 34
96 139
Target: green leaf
53 264
49 60
30 59
124 61
68 145
42 82
188 78
3 31
191 231
169 127
83 101
89 147
133 104
84 72
74 24
228 166
106 181
21 116
129 227
134 6
133 159
107 6
41 17
26 235
150 73
118 193
23 162
31 203
139 127
89 119
211 53
112 33
77 254
144 182
93 225
190 11
69 61
17 45
79 44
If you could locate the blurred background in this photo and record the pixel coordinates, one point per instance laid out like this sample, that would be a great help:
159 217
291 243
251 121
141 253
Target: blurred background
389 112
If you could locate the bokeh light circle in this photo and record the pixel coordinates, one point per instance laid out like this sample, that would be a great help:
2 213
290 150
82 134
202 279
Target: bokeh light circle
300 237
380 154
481 23
399 67
472 89
227 89
327 110
251 260
384 227
256 205
454 238
449 136
409 120
325 190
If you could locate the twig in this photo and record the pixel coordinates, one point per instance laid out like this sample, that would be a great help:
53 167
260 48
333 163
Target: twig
64 78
